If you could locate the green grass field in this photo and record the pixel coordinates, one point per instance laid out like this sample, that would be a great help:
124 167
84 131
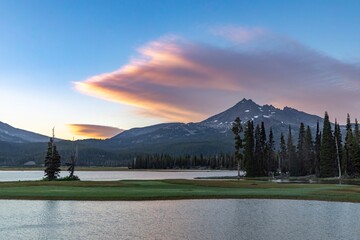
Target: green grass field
176 189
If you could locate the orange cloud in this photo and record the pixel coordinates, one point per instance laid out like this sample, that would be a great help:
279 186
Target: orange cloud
93 131
178 80
158 82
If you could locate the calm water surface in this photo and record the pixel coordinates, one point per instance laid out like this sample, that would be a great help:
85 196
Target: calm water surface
184 219
115 175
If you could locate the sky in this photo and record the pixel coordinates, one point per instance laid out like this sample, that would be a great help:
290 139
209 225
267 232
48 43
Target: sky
94 68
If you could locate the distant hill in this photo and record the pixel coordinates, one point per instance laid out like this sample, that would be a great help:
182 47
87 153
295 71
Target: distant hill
15 135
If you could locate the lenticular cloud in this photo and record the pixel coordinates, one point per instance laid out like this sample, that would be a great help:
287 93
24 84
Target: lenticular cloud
180 80
94 131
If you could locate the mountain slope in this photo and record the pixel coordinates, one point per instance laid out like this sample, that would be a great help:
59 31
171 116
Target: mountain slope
212 135
209 137
249 110
15 135
174 138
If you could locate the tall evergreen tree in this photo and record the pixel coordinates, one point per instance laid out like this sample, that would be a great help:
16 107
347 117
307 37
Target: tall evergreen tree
338 146
309 157
291 156
348 165
356 149
237 130
317 149
259 154
328 150
52 161
250 164
264 151
283 164
298 166
271 156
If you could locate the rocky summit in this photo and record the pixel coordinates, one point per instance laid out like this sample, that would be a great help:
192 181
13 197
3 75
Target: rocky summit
213 134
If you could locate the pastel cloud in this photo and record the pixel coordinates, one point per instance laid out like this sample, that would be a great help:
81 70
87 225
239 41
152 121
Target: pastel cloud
239 34
93 131
179 80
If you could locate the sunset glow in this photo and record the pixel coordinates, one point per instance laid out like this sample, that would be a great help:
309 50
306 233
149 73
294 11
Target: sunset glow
170 76
93 131
139 65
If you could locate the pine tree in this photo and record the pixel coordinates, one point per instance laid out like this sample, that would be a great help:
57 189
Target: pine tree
56 163
237 130
283 165
309 158
356 149
291 152
271 159
258 154
338 146
328 150
298 166
250 164
264 168
348 159
48 161
317 148
52 161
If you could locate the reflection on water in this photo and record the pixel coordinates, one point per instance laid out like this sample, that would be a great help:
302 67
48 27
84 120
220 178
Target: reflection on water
185 219
115 175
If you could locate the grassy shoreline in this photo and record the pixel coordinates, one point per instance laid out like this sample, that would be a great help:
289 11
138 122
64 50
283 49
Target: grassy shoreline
175 190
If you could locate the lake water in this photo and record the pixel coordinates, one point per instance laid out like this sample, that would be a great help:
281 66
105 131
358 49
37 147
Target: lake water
183 219
116 175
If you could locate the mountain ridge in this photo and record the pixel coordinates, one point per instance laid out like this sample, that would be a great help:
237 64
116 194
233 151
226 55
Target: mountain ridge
208 137
214 131
9 133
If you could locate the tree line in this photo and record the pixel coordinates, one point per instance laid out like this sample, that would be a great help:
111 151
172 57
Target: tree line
166 161
323 155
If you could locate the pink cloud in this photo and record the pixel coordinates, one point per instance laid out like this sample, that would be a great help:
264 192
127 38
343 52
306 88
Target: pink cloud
94 131
179 80
239 34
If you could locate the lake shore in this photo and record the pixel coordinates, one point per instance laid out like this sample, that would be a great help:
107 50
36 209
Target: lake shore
64 168
175 190
110 169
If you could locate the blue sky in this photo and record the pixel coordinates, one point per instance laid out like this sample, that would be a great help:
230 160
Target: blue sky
46 47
